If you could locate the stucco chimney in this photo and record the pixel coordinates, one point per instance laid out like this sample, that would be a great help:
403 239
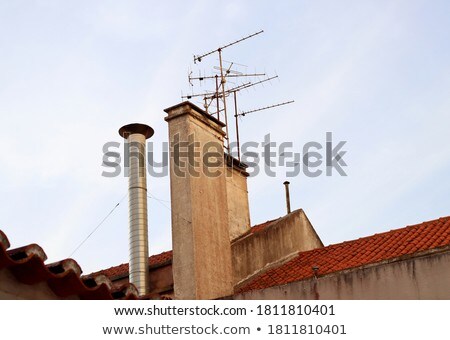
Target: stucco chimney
136 135
200 236
237 198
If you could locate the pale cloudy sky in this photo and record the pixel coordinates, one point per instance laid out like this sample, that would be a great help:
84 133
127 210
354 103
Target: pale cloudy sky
375 73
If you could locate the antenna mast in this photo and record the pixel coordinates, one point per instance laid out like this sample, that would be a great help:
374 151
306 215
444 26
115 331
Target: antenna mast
220 94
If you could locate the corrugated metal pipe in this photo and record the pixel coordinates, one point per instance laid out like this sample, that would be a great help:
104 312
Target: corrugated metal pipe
135 165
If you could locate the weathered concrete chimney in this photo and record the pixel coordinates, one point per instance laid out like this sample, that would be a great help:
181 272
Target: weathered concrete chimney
237 198
135 163
200 236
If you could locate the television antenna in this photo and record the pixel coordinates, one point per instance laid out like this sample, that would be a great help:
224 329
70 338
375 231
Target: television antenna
218 96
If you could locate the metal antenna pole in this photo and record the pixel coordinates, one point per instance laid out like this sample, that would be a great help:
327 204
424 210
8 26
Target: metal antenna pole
217 95
237 126
222 81
205 105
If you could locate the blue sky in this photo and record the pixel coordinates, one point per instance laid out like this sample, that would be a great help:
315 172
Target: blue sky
375 73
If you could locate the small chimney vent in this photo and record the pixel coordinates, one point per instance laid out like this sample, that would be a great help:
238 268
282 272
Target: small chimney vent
288 198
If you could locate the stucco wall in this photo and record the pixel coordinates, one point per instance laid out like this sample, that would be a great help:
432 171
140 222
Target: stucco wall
287 235
161 279
237 198
423 277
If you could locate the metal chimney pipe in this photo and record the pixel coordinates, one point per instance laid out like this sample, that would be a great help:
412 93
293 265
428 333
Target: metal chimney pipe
135 162
288 199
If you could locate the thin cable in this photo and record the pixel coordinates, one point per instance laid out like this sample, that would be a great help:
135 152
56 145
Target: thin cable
160 201
98 225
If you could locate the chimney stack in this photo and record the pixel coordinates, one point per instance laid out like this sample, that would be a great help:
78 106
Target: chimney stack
237 198
135 161
200 236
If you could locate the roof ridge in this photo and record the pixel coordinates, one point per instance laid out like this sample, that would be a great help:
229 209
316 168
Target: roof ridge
125 264
390 231
397 243
168 251
63 278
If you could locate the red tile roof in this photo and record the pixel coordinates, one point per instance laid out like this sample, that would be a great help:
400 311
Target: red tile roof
122 270
63 277
260 227
350 254
157 260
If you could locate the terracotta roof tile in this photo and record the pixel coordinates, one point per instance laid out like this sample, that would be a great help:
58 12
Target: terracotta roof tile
162 258
260 227
350 254
63 277
121 270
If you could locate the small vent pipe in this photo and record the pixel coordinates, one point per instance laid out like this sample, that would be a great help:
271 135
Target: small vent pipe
288 199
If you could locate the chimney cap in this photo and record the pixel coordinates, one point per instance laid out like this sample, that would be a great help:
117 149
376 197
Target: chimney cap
286 182
194 107
129 129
